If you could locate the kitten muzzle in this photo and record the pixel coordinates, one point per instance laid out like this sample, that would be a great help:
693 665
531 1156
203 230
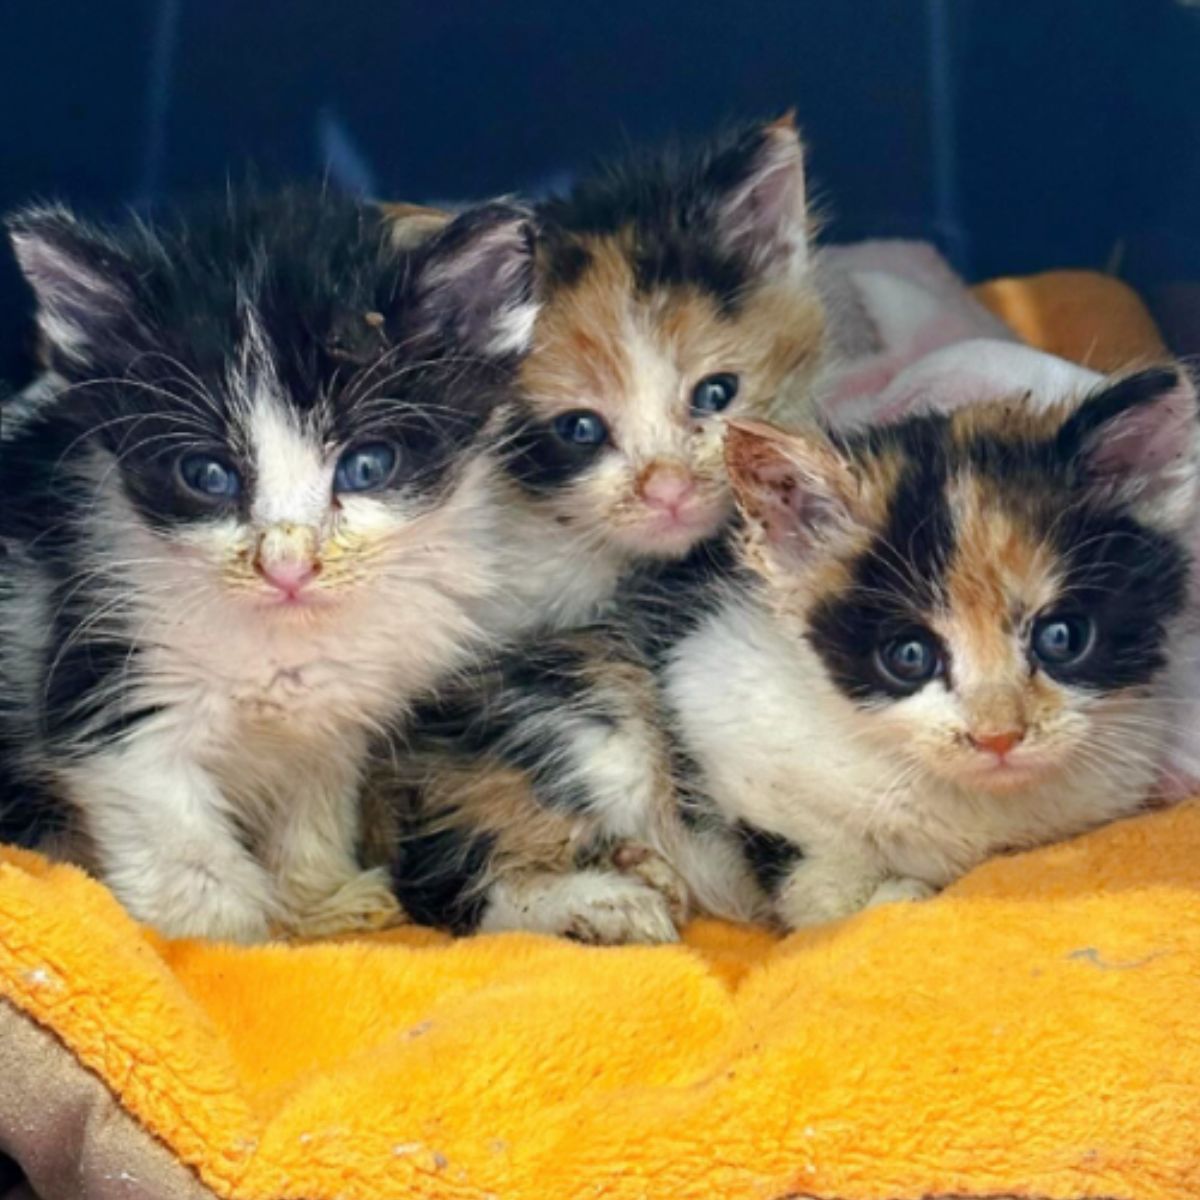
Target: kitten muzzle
288 557
666 485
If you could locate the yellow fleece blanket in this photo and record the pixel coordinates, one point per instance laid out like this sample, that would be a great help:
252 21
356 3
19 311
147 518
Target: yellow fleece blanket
1033 1032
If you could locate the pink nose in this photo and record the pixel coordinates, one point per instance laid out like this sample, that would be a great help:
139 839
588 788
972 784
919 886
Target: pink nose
666 485
288 576
998 744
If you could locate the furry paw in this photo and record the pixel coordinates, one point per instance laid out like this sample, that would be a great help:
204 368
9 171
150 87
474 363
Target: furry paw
225 899
892 891
644 863
363 903
221 915
823 889
597 907
626 911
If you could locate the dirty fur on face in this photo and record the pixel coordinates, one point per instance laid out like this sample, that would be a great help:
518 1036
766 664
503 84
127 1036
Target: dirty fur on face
677 294
250 518
947 637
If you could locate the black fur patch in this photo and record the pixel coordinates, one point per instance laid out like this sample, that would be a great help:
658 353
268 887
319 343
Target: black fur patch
899 577
1131 581
438 877
539 460
662 602
564 259
1128 578
671 202
771 857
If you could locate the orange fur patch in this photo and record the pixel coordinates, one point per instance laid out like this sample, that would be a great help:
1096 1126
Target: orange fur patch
584 354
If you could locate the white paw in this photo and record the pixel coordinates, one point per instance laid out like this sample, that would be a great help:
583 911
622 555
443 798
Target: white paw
363 902
892 891
596 907
228 902
820 890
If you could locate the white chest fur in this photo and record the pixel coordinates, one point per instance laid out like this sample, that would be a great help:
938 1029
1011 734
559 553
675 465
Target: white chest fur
546 576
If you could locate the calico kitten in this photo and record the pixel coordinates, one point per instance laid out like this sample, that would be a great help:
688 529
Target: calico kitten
931 642
251 524
539 794
676 293
949 640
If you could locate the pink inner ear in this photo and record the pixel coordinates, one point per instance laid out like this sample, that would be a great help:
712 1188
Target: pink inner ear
788 504
766 217
1147 440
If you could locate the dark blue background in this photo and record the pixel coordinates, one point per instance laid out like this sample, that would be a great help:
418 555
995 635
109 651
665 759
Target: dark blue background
1017 134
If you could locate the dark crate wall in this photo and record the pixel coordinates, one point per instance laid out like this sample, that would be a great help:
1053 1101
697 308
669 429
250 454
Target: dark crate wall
1018 134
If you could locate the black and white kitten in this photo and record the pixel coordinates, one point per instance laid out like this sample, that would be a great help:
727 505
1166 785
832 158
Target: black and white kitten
932 642
252 521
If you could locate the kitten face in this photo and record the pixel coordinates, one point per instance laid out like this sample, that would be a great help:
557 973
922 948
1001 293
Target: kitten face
673 300
994 590
269 409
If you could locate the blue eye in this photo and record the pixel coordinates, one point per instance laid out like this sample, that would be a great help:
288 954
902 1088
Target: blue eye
581 428
209 476
910 660
714 394
365 468
1061 640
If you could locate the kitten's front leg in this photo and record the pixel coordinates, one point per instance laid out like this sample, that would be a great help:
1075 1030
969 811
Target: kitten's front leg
162 842
833 880
324 888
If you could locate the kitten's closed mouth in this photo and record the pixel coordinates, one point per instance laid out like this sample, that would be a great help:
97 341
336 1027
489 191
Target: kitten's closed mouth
1008 774
677 528
303 601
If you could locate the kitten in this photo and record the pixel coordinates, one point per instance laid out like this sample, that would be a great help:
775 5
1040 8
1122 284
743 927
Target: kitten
249 526
676 293
950 638
539 794
930 643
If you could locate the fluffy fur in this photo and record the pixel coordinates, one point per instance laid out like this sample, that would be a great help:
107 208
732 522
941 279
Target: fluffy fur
656 274
804 775
194 677
970 533
541 794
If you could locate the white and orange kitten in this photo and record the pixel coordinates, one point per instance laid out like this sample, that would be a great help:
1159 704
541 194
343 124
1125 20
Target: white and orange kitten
675 294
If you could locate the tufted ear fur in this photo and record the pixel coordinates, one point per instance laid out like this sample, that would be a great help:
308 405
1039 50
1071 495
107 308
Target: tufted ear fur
82 282
475 285
795 491
762 214
1138 439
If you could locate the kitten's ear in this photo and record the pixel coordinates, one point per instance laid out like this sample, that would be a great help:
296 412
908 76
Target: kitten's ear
794 489
1138 440
411 224
762 213
82 283
476 281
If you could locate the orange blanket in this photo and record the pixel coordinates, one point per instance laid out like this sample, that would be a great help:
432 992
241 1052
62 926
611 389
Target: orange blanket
1032 1032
